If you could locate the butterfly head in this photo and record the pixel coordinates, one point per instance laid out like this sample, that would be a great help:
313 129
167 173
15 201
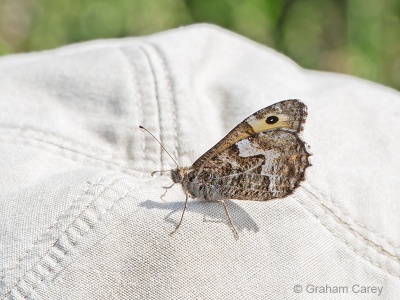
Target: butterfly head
176 176
180 175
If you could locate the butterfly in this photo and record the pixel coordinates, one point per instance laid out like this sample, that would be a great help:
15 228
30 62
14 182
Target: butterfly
262 158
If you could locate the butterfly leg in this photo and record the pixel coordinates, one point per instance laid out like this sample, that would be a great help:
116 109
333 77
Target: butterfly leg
183 212
166 190
168 187
230 220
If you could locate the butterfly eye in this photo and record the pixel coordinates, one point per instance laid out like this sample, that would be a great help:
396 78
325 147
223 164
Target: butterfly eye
272 119
191 177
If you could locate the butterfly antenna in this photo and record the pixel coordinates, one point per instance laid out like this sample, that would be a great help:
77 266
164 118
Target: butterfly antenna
141 127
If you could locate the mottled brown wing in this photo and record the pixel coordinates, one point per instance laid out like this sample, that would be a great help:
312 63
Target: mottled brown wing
290 115
261 167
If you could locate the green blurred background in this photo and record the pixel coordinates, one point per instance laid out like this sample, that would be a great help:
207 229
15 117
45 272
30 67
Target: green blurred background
359 37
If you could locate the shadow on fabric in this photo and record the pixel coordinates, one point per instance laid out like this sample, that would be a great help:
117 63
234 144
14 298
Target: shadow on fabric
211 211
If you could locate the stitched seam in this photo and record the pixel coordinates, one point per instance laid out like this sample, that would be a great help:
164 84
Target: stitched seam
348 243
394 245
126 193
66 141
47 251
139 96
171 97
54 223
46 138
29 141
325 203
146 54
65 235
362 238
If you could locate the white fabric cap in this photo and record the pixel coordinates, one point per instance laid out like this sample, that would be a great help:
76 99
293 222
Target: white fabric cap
81 217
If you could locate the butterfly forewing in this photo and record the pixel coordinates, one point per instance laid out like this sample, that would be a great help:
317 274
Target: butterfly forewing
288 114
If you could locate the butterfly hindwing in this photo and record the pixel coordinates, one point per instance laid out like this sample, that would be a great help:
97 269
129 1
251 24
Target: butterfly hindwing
264 166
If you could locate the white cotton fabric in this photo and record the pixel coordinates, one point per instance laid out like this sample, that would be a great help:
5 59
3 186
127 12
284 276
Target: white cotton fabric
81 217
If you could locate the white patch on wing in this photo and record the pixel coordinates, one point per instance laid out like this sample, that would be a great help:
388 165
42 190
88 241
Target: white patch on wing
251 119
247 149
